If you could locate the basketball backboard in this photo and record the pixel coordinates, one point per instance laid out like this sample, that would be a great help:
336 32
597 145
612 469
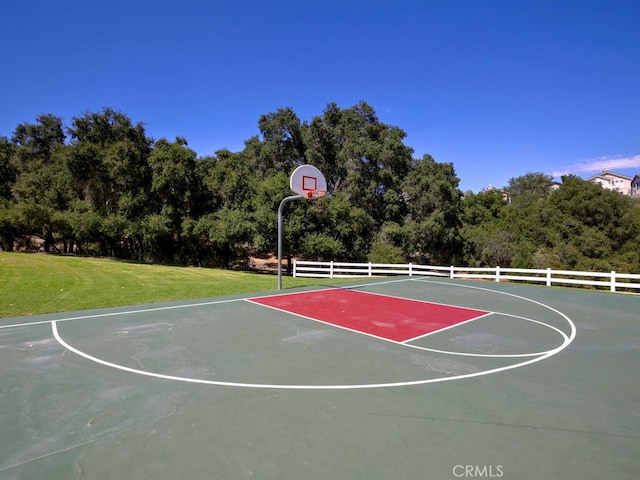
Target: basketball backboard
308 181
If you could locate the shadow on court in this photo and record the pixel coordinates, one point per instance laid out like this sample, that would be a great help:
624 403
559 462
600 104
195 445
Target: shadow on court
400 379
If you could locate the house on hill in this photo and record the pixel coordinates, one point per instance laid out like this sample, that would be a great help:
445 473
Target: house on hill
635 186
614 181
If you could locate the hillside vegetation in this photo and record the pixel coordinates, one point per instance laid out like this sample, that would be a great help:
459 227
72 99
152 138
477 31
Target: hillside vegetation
100 186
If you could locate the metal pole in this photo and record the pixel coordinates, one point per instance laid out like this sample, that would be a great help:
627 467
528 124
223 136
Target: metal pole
280 208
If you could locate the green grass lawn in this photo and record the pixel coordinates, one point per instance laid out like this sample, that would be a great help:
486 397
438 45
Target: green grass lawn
37 283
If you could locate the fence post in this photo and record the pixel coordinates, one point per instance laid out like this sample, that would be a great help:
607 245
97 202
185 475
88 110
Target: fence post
295 264
498 274
548 277
613 281
410 269
370 270
331 269
451 271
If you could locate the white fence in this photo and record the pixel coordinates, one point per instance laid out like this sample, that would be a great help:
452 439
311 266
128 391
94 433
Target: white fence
625 282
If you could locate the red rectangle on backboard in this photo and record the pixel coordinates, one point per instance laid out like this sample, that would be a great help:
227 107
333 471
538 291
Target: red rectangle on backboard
309 183
393 318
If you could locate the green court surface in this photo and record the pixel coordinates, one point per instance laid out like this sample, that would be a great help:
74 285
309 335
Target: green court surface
541 384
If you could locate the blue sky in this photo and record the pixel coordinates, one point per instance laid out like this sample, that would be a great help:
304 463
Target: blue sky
498 88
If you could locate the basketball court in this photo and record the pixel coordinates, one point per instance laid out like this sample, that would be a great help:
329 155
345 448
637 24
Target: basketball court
400 378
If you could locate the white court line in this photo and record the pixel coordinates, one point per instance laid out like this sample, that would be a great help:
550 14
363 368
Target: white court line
341 327
491 355
115 314
426 301
448 328
406 343
173 307
571 325
567 341
57 336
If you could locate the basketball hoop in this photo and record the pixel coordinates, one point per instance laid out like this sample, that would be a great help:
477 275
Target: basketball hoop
309 182
313 194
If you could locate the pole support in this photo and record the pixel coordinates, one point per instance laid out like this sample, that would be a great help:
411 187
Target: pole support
280 209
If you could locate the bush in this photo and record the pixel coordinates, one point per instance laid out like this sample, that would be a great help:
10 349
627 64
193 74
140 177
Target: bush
382 252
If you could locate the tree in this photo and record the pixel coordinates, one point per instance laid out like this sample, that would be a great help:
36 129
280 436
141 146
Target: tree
156 237
225 231
282 147
268 195
487 239
433 205
109 160
38 142
529 188
38 181
180 196
85 225
176 186
40 193
111 190
597 223
577 226
8 225
332 225
8 170
229 180
388 244
361 157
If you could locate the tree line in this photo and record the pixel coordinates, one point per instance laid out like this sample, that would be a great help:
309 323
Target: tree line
101 186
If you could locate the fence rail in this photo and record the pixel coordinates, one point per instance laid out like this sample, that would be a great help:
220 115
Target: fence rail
616 282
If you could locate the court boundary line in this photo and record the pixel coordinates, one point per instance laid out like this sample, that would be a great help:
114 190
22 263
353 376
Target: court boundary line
568 340
408 383
207 302
166 307
115 314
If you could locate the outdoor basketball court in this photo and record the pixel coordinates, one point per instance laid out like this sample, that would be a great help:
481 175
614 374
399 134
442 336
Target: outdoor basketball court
392 379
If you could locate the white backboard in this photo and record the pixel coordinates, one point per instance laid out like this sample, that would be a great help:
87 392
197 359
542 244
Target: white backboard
308 181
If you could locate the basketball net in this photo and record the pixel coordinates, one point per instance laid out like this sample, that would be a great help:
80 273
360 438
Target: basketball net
312 194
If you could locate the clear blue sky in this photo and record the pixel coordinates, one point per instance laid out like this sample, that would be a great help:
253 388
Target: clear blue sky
498 88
